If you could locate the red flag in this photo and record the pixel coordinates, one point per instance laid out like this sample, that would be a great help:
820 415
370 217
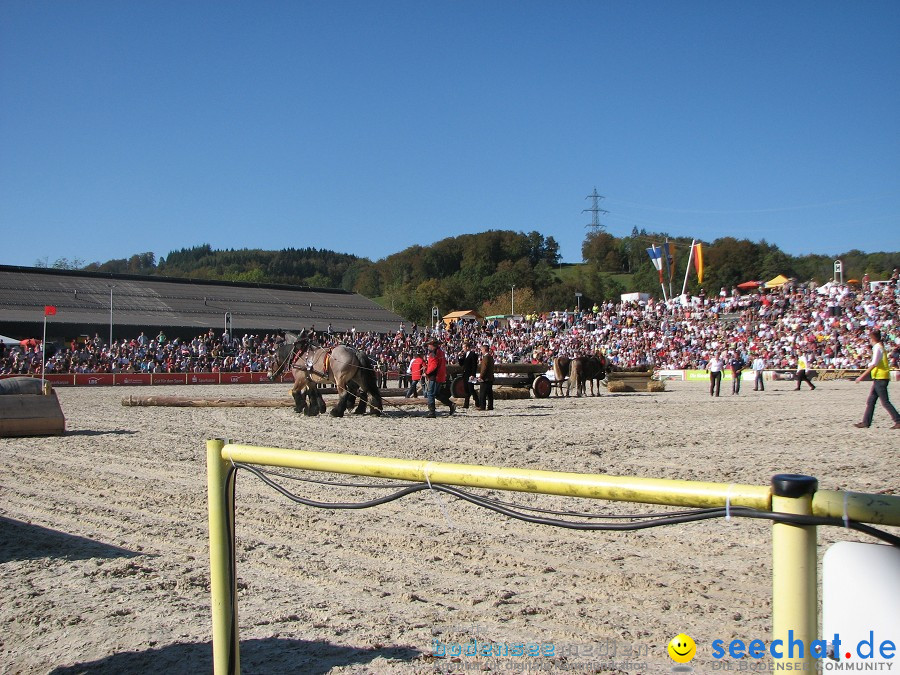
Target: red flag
49 310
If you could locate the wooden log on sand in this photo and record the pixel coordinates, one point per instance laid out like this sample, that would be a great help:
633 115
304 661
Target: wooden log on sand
235 402
191 402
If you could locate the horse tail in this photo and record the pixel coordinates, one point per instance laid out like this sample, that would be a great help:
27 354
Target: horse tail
576 375
560 364
370 382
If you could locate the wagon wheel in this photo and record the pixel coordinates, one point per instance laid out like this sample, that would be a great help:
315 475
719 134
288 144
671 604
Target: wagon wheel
541 387
458 387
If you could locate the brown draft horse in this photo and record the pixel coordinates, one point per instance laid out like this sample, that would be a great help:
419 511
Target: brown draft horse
587 369
580 370
560 372
348 369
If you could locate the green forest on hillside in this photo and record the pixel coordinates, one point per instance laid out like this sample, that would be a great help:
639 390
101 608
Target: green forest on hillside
490 270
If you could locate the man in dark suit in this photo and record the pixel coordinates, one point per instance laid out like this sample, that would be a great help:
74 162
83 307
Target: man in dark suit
469 362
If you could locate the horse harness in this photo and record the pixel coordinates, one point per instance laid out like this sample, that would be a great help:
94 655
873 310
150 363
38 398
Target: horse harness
308 368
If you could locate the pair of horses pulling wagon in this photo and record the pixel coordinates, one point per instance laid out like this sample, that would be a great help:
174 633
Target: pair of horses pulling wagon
349 369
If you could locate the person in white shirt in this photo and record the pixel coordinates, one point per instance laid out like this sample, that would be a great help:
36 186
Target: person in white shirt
759 365
714 368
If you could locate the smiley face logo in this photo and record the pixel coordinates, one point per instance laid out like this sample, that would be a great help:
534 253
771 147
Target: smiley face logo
682 648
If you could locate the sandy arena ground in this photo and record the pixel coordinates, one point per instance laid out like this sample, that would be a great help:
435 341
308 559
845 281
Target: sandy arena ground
104 562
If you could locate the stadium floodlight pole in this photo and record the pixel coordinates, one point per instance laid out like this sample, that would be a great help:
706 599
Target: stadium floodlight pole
688 268
44 351
111 314
512 301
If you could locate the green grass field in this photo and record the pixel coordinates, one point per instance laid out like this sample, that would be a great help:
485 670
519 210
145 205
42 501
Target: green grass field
568 272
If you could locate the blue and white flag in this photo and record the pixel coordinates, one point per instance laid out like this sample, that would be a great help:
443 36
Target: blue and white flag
656 256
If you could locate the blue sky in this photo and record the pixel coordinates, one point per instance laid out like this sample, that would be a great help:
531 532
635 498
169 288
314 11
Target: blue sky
366 127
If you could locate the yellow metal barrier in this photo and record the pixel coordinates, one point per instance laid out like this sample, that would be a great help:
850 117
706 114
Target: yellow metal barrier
794 576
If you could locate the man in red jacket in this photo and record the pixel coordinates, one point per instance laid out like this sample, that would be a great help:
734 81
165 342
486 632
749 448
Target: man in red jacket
416 374
436 378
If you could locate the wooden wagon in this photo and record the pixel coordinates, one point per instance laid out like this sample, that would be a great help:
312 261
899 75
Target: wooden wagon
519 375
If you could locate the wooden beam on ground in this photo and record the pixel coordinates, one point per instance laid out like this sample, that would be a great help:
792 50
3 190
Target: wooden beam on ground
236 402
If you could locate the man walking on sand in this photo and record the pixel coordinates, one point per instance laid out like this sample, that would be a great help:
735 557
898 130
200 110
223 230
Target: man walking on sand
714 367
436 378
802 375
881 375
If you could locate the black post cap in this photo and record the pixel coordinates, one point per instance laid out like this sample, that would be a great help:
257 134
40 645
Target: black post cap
793 485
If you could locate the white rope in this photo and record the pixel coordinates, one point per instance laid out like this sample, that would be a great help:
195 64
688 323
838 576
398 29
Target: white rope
437 498
728 502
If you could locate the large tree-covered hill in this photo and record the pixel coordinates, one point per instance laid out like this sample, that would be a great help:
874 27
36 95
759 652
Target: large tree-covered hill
498 270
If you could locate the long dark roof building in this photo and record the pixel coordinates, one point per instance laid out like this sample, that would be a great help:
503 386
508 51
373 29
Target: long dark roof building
89 302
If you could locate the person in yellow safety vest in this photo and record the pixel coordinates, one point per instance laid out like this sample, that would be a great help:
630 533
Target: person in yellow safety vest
881 375
801 374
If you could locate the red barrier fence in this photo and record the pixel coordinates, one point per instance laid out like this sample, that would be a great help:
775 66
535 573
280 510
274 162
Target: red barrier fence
147 379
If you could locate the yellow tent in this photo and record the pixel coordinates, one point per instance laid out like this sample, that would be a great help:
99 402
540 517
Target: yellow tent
777 282
466 315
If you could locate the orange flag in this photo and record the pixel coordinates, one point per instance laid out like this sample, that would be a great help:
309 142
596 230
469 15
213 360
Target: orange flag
49 310
698 262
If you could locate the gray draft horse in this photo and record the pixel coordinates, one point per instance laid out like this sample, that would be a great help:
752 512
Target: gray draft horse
345 367
307 399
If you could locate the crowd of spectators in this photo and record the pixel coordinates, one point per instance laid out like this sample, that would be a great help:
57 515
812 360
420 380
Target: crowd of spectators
827 325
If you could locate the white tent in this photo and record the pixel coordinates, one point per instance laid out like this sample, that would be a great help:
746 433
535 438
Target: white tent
8 340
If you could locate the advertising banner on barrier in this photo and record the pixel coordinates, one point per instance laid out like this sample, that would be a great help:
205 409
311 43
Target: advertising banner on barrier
702 375
56 379
677 375
59 380
139 379
133 379
94 379
168 378
203 378
236 378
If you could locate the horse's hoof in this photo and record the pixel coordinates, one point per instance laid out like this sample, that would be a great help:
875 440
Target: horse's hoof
335 413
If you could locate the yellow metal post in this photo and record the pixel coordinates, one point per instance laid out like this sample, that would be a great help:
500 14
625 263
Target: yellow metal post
222 579
794 573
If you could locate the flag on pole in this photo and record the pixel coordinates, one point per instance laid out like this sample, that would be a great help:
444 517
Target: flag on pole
49 310
656 256
668 259
698 262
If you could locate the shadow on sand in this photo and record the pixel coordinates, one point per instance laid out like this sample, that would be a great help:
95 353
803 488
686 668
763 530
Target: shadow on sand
269 656
24 541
